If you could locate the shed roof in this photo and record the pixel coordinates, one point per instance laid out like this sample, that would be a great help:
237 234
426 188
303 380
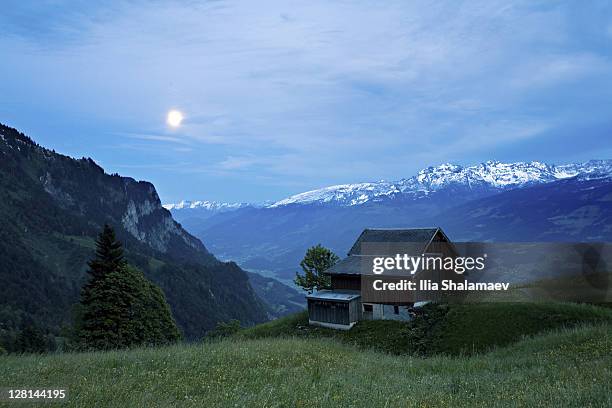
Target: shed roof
338 296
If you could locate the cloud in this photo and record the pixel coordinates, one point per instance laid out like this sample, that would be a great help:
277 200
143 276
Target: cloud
157 138
549 70
236 163
316 91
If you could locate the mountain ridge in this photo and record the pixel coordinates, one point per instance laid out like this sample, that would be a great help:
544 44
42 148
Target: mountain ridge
491 175
207 205
52 209
526 201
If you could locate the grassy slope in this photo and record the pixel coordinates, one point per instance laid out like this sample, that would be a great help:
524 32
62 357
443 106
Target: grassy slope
465 329
387 336
589 288
478 327
569 368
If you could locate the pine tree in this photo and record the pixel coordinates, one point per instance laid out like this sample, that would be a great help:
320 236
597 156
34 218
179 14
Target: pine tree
109 255
119 306
316 261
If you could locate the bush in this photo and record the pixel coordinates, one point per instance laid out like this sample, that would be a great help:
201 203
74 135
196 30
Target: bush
31 340
225 329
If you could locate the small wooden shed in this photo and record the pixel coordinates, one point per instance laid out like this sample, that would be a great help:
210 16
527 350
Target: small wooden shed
334 309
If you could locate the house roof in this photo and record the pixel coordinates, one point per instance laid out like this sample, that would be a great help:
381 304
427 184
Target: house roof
378 235
356 263
351 265
339 296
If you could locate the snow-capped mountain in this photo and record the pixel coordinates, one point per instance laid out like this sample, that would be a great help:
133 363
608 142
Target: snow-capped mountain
205 205
506 202
492 175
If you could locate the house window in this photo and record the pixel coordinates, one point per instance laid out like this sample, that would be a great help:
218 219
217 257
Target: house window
368 308
396 309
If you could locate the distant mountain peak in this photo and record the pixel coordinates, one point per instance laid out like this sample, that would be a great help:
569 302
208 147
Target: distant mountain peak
204 204
492 174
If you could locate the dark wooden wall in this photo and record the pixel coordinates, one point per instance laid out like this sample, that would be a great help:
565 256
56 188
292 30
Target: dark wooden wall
346 282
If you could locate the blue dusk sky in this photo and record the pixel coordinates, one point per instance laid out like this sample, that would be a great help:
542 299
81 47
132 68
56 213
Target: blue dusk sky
283 97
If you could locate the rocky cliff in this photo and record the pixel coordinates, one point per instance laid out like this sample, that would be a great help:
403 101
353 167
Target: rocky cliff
51 210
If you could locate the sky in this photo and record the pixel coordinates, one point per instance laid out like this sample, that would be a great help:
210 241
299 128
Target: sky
281 97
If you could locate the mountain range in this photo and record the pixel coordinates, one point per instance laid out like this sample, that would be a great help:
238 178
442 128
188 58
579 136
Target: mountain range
52 208
488 201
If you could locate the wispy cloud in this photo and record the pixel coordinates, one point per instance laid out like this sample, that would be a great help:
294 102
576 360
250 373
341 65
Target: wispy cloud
315 91
157 138
551 70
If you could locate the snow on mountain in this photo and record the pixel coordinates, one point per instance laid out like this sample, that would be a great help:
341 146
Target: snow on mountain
205 205
349 194
491 175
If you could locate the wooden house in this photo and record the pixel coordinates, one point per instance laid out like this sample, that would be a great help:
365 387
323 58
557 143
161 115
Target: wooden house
342 306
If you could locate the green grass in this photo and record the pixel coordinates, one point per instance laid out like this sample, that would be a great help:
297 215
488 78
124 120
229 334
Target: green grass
479 327
589 288
386 336
570 368
84 241
458 329
155 264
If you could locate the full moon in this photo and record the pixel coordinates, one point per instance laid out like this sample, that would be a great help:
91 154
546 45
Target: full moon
174 118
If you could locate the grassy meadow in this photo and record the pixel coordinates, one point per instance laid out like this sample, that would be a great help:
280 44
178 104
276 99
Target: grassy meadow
571 368
272 366
460 329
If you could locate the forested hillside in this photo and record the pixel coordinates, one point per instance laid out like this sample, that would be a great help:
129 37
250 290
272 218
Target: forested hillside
51 209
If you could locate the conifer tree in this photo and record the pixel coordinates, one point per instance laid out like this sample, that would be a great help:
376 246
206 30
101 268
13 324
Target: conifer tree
119 306
109 255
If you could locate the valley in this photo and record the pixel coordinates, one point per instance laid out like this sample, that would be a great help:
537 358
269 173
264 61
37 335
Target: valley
565 203
52 209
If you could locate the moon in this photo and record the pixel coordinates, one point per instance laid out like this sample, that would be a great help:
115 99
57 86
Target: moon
174 118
